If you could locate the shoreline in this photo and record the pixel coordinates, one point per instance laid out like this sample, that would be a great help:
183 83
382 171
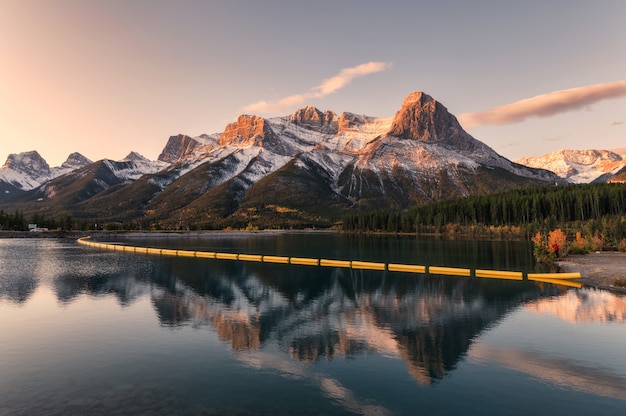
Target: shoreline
599 269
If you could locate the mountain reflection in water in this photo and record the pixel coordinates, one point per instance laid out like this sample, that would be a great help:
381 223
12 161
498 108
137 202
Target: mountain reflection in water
585 305
98 332
313 313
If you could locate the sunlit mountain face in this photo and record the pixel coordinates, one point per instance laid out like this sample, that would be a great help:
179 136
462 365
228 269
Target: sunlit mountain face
308 168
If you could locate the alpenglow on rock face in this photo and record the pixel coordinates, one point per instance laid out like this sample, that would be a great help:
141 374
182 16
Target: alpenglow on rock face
182 148
307 168
423 118
312 118
246 131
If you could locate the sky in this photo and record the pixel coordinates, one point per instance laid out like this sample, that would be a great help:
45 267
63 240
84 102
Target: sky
105 78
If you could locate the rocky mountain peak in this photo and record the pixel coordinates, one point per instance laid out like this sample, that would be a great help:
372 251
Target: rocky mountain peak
419 98
350 121
421 117
134 156
28 162
75 161
179 148
247 130
312 118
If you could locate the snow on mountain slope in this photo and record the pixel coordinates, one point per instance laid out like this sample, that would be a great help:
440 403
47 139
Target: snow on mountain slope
577 166
73 162
355 155
183 149
25 170
140 165
29 170
420 154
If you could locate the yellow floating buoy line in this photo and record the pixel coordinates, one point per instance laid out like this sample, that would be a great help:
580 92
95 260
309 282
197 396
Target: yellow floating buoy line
556 278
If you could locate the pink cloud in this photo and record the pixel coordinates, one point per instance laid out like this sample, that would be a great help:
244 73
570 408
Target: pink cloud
545 105
328 86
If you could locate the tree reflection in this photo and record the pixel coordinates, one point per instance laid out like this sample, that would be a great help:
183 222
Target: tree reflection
17 288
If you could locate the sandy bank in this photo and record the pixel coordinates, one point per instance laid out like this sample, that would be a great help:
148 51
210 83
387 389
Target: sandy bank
598 269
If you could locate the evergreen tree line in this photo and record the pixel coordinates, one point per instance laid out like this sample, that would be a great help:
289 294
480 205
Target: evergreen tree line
530 209
17 222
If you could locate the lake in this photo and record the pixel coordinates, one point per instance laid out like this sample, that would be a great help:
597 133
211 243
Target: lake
88 331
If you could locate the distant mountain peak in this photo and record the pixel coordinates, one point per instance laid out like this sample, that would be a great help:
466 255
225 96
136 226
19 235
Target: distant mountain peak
25 170
75 161
578 166
27 162
134 156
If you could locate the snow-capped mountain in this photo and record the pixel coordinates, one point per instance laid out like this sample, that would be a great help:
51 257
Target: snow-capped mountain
134 166
25 170
309 167
578 166
28 170
74 161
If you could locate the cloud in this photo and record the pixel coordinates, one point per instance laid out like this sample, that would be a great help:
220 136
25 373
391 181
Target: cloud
328 86
545 105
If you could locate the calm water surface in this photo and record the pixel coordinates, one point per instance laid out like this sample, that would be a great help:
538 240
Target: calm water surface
84 331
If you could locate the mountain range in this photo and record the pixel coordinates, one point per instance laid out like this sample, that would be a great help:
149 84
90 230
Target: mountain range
304 169
582 166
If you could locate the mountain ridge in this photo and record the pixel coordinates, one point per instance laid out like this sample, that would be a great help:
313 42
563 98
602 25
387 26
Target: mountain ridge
304 169
579 166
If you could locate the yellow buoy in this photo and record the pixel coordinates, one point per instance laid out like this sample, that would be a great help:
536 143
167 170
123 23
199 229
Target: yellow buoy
226 256
334 263
275 259
250 257
575 275
408 268
499 274
206 254
452 271
368 265
304 261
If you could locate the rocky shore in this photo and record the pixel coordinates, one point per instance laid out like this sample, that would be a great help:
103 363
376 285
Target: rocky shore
599 269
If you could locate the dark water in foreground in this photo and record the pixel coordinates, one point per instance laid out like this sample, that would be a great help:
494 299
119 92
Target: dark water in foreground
94 332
